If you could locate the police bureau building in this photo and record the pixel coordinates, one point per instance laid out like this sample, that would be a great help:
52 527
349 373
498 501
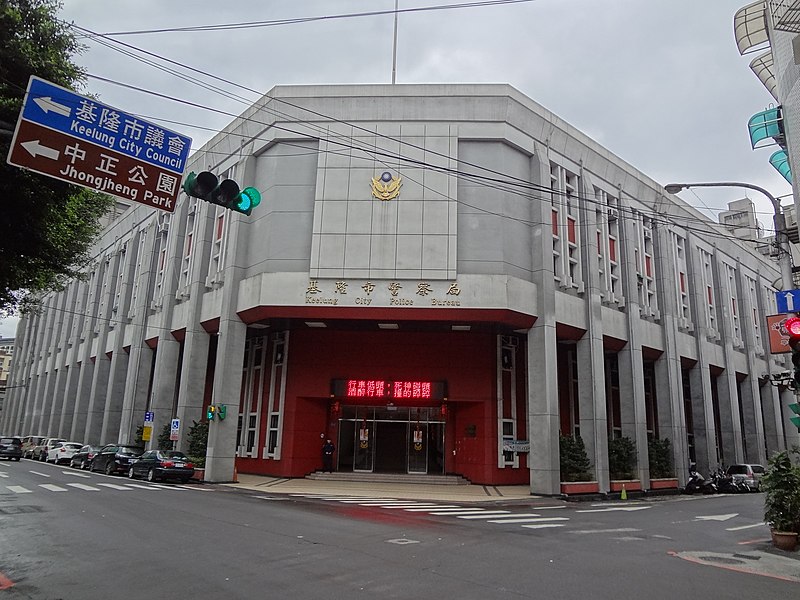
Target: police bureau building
461 285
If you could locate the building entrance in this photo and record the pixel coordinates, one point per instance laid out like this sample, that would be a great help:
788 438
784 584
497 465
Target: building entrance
380 439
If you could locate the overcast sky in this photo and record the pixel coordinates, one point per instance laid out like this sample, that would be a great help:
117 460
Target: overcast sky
660 84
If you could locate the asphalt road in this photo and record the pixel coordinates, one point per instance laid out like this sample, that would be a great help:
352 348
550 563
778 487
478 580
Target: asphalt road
64 535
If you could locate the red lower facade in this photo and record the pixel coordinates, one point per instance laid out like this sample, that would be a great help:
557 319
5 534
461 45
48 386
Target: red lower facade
456 432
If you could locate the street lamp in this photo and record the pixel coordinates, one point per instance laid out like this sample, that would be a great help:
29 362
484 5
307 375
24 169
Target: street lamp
778 220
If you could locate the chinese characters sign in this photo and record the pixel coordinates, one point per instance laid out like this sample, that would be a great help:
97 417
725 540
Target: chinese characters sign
405 293
388 389
84 142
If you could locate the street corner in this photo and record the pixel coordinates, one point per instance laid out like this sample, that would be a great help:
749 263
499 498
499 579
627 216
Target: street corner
762 560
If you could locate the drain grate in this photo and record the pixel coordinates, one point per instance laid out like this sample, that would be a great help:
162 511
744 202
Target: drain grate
723 560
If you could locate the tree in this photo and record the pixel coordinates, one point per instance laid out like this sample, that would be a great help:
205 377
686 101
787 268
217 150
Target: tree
48 226
575 463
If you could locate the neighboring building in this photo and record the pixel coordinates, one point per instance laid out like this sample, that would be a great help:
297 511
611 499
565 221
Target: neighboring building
6 354
740 220
437 277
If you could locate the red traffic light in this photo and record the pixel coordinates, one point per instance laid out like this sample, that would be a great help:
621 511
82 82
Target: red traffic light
792 326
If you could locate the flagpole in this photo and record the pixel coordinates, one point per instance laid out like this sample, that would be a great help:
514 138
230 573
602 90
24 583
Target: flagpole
394 45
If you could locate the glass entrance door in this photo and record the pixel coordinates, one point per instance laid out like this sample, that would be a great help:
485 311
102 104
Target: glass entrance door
391 440
417 448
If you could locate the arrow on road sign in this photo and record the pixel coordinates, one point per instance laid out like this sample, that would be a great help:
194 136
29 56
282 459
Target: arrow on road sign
717 517
47 104
34 148
788 297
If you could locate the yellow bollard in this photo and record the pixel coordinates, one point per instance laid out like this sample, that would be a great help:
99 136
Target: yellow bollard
623 495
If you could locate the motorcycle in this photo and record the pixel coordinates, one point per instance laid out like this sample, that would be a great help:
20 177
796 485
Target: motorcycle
698 483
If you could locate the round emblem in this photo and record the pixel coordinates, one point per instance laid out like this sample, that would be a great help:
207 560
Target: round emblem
387 177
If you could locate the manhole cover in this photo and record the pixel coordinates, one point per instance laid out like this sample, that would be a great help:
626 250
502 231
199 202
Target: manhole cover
723 560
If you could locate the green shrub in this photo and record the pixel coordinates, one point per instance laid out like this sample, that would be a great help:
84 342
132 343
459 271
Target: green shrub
621 458
164 443
781 486
198 443
660 458
575 465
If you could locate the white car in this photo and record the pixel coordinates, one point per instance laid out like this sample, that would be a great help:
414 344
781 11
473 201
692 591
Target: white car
62 452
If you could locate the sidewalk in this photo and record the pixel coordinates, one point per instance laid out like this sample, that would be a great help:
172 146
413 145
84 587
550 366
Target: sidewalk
359 489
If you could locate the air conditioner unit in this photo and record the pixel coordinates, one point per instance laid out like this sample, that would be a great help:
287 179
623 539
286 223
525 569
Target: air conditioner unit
613 214
648 234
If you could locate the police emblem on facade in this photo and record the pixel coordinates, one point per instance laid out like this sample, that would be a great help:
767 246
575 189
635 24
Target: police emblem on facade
386 187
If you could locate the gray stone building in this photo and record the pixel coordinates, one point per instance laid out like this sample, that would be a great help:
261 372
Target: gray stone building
443 279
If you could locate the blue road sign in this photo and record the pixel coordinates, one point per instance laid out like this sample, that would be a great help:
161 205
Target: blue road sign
84 118
788 301
149 417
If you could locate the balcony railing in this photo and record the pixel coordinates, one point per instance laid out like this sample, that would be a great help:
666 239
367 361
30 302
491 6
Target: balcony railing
785 15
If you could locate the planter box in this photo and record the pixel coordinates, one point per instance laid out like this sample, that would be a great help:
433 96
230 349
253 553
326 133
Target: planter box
669 483
579 487
199 474
784 540
630 485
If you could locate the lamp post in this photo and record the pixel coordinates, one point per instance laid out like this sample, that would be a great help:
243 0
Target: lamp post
778 220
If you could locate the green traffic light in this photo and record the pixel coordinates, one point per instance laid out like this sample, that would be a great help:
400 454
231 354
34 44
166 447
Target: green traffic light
247 200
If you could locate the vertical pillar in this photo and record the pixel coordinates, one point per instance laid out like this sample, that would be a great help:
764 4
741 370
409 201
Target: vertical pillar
162 398
542 371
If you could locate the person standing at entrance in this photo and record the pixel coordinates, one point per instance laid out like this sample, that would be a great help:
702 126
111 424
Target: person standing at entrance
327 456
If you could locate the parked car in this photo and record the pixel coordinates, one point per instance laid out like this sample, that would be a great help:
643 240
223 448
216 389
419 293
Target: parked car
10 448
749 474
62 452
82 459
155 465
115 458
40 451
29 442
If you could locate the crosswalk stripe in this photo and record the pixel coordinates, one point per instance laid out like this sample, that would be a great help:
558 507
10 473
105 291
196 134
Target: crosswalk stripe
83 486
40 474
360 500
141 486
455 513
486 515
423 509
52 487
410 506
388 504
543 525
529 520
114 486
194 488
18 489
74 474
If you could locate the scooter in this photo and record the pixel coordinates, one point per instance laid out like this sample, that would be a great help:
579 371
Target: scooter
698 483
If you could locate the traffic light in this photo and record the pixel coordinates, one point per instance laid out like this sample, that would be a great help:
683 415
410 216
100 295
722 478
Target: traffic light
210 412
795 408
206 186
221 410
792 326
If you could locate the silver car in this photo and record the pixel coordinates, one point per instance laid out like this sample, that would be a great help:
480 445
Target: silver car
749 474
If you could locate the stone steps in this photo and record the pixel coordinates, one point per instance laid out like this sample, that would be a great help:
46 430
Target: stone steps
390 478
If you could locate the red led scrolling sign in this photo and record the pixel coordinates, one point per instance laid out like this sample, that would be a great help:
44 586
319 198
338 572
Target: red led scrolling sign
389 389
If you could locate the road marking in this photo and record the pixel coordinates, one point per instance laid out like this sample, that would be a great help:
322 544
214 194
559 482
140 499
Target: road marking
3 474
716 517
18 489
360 500
486 515
5 582
529 520
42 474
744 527
389 504
74 474
454 512
546 507
621 530
140 486
422 509
114 486
618 508
83 486
52 487
543 525
194 489
408 506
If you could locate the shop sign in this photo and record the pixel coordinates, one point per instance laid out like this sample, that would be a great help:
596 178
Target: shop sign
386 293
516 446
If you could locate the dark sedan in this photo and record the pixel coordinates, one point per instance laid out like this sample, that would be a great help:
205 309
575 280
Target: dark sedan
155 465
11 448
115 458
82 459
